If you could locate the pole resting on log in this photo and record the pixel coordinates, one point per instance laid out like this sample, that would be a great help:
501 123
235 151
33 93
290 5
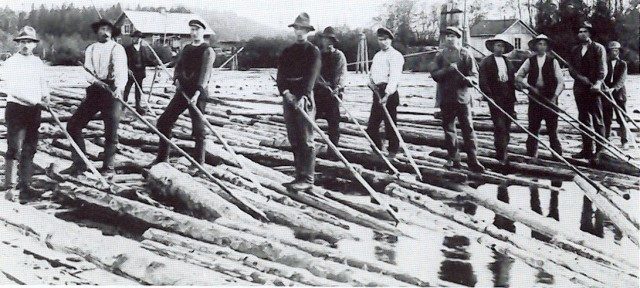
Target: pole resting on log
397 132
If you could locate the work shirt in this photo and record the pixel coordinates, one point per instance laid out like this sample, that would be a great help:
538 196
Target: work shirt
298 68
386 67
613 67
334 68
526 66
502 69
108 61
25 83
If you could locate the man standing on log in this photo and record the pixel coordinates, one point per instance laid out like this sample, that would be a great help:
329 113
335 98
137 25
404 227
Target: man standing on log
136 59
27 91
497 81
108 62
589 59
298 68
333 71
386 70
453 90
615 81
545 82
191 77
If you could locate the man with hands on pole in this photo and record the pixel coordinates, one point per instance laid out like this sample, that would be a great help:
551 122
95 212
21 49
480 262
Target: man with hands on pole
386 70
615 80
107 62
298 68
191 76
27 93
455 98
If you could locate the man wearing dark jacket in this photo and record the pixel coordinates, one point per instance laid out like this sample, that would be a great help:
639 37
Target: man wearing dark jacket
298 68
589 59
136 60
455 97
333 73
615 79
191 76
497 81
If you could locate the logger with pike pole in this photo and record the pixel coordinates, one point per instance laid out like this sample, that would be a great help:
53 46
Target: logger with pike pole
384 78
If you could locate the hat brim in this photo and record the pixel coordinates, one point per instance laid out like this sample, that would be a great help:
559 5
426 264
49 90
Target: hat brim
17 39
329 36
115 30
310 28
489 44
533 42
453 33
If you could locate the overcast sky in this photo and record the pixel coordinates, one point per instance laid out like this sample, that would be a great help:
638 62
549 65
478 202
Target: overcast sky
274 13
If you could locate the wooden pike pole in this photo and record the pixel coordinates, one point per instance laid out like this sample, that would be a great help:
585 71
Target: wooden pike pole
75 146
325 138
252 210
629 230
583 128
142 92
397 132
230 58
366 135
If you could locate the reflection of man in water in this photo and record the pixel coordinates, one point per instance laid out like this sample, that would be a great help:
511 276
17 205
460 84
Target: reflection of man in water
455 267
587 222
536 207
500 221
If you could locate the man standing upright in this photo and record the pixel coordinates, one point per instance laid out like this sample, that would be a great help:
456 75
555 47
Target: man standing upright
545 82
333 72
191 77
136 60
615 81
589 59
386 69
107 61
497 81
453 90
27 90
298 68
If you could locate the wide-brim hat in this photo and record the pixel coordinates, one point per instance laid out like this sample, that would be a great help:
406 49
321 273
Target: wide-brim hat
329 33
115 31
27 33
197 23
454 30
541 37
499 38
385 31
136 33
303 21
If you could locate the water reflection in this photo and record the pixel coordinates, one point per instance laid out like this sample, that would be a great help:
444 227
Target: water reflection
501 268
591 221
500 221
456 267
534 202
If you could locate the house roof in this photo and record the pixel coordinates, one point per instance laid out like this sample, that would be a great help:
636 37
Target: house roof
494 27
161 23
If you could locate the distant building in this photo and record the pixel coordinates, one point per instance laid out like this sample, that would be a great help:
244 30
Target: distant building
516 31
160 27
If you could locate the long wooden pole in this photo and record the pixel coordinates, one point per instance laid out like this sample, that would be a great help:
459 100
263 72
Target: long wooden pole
75 146
334 149
234 55
393 127
592 196
142 92
366 135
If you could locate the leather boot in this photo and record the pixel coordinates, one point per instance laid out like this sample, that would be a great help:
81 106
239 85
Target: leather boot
474 165
24 181
10 174
199 151
108 164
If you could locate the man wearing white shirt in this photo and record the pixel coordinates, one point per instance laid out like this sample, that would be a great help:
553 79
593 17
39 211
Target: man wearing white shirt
497 82
27 91
386 70
107 60
544 81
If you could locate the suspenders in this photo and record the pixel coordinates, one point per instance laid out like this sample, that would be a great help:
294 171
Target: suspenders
110 67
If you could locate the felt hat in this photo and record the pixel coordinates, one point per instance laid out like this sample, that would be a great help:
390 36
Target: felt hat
136 33
385 31
115 31
303 21
499 38
330 33
534 41
27 33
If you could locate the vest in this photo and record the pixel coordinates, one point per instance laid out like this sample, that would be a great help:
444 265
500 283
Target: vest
191 64
548 76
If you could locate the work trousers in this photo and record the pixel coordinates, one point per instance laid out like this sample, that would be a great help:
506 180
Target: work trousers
536 114
608 110
22 138
300 135
328 108
377 116
451 111
590 114
138 93
501 130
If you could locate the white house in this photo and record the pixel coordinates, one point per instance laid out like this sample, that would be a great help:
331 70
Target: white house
516 31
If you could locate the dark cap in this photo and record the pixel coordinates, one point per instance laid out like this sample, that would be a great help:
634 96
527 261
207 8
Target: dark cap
454 30
197 23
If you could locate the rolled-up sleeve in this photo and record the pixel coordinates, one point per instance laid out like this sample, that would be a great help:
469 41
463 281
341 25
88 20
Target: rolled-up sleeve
88 63
524 70
559 77
396 63
120 69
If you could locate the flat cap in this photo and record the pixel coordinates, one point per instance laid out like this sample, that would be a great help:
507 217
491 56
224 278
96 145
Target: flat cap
198 23
385 31
454 30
